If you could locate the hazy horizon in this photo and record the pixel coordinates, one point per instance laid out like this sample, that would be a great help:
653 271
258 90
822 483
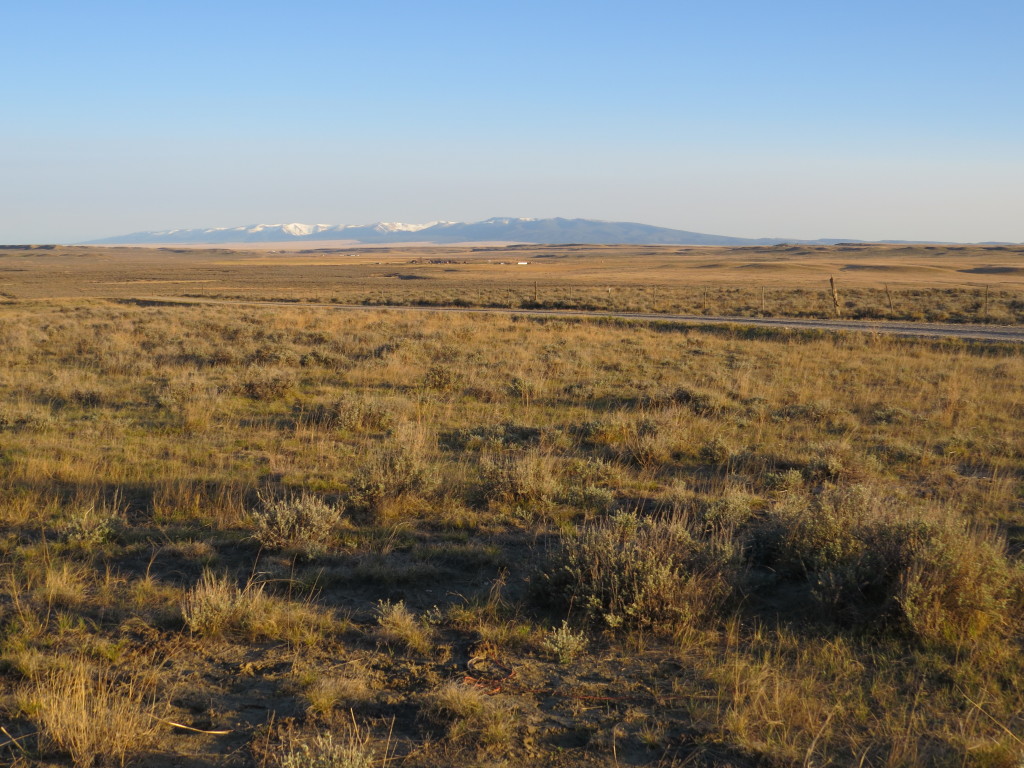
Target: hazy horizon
798 120
406 234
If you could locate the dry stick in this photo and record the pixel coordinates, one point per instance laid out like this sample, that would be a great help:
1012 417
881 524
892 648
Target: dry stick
14 740
835 295
189 727
889 296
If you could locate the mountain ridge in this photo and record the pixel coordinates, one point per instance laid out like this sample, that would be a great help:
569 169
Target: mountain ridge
496 229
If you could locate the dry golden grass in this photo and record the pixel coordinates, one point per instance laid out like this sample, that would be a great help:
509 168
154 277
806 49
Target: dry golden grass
217 607
823 540
91 714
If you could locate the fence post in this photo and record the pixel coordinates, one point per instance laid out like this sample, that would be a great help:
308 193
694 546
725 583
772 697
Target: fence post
835 295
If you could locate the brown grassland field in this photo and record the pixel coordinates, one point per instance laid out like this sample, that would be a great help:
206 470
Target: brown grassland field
294 537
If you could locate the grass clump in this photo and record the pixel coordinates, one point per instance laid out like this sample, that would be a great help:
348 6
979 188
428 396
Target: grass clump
91 714
350 747
217 607
470 717
325 693
301 523
397 625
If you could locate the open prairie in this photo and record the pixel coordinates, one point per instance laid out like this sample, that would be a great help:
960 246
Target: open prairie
898 282
287 537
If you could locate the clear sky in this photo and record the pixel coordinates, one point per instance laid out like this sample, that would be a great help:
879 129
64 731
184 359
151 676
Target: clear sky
818 118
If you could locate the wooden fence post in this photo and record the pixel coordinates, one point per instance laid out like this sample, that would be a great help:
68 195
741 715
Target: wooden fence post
835 295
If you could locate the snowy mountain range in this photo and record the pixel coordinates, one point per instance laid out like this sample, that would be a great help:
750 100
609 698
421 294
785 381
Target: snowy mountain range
498 229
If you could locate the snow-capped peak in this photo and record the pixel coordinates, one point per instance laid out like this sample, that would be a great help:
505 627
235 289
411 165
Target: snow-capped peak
503 220
395 226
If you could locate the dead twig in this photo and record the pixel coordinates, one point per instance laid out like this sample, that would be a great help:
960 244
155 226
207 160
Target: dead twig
13 740
189 727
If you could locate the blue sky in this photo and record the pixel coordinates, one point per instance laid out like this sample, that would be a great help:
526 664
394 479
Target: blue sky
793 119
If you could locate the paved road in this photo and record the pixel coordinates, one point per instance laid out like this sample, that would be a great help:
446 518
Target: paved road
1006 333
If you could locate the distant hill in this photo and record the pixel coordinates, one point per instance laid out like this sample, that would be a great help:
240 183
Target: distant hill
490 230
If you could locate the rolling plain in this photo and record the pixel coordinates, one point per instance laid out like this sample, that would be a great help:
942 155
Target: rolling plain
286 536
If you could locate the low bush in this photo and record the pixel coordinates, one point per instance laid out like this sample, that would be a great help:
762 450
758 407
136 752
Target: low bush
934 578
443 378
631 571
518 478
565 644
262 383
923 573
715 451
701 403
394 468
88 526
349 412
301 523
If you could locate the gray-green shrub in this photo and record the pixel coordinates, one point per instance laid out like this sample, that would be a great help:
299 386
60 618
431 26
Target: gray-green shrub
925 573
631 571
302 523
